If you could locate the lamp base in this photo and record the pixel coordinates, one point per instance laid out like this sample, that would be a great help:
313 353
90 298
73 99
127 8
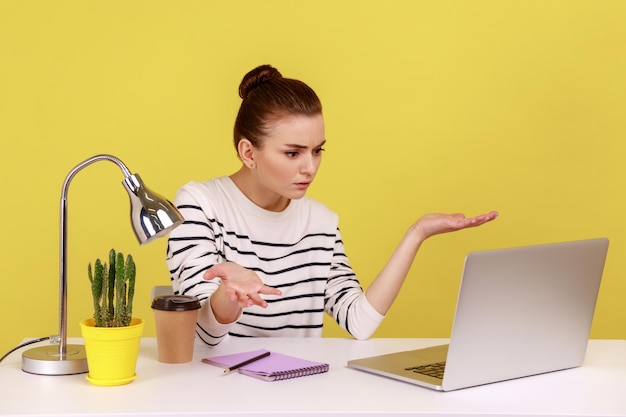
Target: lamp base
46 360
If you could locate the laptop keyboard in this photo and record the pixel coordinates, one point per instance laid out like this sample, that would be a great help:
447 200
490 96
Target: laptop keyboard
432 369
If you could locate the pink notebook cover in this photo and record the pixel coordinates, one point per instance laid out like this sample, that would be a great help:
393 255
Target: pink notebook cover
274 367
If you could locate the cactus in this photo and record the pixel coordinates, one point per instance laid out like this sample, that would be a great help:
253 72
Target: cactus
111 284
129 273
113 289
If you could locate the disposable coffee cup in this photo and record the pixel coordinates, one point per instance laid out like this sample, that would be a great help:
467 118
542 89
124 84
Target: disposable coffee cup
175 320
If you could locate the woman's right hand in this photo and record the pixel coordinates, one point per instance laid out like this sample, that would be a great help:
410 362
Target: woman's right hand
240 285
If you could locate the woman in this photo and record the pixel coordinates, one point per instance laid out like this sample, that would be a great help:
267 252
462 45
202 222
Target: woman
264 259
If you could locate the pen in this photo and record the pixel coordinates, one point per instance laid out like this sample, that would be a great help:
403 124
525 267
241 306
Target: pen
239 365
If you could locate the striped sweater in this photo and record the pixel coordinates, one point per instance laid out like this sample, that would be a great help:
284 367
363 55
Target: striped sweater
299 251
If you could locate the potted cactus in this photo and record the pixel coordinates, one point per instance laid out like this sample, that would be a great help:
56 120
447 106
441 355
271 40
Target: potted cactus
112 335
113 290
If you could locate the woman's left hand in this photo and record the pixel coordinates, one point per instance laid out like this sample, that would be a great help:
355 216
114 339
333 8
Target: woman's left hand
438 223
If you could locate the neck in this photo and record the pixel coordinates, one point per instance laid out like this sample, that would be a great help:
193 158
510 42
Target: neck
248 184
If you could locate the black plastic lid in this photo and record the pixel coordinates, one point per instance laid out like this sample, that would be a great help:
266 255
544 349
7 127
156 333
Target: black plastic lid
175 303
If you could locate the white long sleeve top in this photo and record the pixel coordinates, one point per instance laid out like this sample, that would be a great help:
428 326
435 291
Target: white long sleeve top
298 250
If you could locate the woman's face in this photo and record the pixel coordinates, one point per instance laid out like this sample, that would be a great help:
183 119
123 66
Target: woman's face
286 164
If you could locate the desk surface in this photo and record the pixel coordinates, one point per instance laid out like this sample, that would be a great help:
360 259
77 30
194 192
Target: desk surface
597 388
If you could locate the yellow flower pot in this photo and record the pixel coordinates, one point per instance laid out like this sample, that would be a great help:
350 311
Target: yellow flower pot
111 351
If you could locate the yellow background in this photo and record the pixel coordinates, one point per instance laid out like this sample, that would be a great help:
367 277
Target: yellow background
516 106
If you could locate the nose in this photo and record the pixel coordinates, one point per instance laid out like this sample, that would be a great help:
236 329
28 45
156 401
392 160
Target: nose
309 165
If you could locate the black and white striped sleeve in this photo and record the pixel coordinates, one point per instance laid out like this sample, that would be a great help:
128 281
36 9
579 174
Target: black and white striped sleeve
191 251
345 299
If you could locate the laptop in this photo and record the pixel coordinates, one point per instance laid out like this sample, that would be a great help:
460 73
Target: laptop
520 311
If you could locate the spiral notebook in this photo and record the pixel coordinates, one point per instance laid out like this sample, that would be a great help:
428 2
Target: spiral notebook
275 367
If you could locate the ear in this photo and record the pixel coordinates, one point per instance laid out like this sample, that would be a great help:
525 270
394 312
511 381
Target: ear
246 152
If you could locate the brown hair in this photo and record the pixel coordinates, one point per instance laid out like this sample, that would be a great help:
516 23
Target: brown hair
267 97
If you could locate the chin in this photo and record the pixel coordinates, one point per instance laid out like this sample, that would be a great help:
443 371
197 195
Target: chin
296 195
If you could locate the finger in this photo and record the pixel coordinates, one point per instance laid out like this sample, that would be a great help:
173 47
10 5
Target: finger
479 220
257 300
216 271
231 295
243 300
489 216
269 290
475 221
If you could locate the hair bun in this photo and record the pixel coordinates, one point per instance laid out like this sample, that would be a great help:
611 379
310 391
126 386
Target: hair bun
256 77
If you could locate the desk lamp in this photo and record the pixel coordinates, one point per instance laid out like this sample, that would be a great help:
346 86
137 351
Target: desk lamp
151 215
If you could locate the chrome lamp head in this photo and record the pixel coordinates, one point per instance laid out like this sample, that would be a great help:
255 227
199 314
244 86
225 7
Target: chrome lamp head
152 216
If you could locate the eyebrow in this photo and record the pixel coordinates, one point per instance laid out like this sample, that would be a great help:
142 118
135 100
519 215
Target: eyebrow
294 145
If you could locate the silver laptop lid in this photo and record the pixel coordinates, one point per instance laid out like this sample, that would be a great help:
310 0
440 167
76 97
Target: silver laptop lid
524 311
520 312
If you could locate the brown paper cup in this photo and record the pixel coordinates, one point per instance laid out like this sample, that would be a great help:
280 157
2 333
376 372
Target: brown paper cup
175 320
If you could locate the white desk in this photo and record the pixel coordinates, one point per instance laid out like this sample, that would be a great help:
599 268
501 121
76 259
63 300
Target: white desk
598 388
